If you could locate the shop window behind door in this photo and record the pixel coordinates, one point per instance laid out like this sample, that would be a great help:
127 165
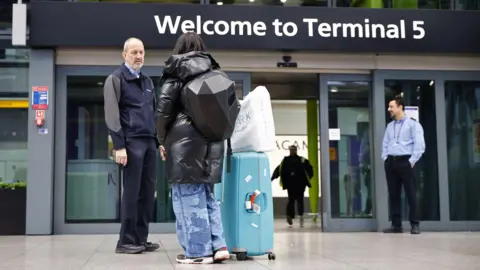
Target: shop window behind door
93 179
351 185
13 145
422 95
13 113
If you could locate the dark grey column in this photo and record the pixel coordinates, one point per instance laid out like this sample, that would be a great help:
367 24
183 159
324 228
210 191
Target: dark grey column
381 191
324 155
40 148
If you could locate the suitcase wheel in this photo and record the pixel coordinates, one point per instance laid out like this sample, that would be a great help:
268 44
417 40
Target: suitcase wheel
241 256
271 256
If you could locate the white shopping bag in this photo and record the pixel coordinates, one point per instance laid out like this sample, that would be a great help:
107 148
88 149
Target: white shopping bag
255 127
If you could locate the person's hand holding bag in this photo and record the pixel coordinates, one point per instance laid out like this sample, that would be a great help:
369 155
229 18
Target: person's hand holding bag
163 152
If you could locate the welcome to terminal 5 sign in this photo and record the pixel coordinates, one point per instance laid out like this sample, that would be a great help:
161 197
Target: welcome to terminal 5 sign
168 25
67 24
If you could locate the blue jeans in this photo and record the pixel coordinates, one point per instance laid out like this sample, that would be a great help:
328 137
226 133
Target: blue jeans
199 223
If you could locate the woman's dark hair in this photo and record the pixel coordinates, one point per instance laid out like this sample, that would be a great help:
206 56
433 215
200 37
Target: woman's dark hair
189 42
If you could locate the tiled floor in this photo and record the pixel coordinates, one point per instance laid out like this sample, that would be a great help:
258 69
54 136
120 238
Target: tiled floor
296 249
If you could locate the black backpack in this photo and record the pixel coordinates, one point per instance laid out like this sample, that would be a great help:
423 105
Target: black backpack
212 105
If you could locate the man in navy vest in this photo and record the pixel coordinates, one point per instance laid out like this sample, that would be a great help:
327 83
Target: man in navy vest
130 117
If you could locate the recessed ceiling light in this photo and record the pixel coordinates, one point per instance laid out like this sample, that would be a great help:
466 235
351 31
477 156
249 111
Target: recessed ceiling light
334 90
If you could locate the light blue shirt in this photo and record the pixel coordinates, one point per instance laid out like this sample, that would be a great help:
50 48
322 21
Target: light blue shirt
404 137
132 71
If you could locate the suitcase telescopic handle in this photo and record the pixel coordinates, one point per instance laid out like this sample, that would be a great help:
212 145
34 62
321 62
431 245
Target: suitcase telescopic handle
229 164
223 192
229 155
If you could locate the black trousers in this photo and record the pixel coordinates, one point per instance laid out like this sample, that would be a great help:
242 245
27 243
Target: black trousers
399 172
139 178
295 196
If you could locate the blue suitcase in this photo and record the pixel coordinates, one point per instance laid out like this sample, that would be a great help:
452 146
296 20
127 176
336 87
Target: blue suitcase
247 232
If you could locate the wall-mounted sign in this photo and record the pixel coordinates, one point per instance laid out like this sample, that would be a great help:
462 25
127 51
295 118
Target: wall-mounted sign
334 134
232 27
39 117
412 112
40 97
333 153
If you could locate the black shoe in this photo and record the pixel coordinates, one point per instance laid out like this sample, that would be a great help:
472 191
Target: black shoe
415 229
290 221
129 249
149 246
393 230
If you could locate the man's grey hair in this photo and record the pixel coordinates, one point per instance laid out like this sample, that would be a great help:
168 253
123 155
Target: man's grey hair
128 41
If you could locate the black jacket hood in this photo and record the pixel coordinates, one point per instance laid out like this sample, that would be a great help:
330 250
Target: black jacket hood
187 161
188 65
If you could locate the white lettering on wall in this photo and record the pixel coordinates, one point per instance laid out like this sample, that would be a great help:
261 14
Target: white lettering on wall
209 27
365 29
418 29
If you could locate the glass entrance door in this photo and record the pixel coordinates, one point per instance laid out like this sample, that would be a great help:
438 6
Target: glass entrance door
424 100
446 103
346 153
87 181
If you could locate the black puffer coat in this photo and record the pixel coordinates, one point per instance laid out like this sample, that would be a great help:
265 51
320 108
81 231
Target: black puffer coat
191 159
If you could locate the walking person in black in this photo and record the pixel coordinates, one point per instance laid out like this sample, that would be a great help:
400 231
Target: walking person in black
403 145
130 117
295 173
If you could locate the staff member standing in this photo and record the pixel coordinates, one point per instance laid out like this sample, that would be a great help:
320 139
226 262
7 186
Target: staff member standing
403 145
130 117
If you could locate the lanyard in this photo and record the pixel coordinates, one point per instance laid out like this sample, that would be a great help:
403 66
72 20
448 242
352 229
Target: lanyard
399 130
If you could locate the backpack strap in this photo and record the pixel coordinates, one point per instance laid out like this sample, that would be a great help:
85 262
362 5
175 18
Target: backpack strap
229 155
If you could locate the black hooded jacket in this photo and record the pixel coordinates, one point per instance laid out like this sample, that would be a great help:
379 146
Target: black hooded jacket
191 159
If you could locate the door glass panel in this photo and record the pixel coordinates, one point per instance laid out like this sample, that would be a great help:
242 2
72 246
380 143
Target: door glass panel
93 185
351 185
239 89
463 148
13 145
421 94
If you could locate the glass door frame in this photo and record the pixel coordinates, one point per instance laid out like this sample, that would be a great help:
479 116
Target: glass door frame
246 79
439 78
330 224
60 103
